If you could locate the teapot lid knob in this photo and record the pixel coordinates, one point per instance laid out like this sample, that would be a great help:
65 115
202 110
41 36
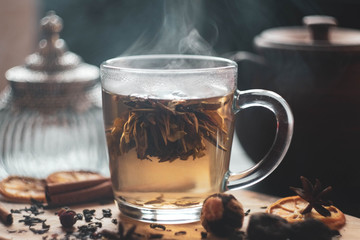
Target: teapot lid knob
319 26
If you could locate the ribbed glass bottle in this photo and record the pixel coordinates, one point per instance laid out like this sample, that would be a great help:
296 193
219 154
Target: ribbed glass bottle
38 141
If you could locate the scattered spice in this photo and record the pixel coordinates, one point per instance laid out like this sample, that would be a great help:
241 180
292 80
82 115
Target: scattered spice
314 195
79 216
15 211
36 208
107 213
157 226
67 217
87 230
33 221
39 231
88 214
88 211
180 233
90 227
44 225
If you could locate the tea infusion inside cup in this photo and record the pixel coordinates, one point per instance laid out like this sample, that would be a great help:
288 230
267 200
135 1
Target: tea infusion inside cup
169 123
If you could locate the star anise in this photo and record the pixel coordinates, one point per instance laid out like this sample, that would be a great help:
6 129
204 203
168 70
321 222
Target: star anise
314 195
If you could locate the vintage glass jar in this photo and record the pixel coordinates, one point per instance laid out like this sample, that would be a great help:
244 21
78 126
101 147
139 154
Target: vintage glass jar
50 113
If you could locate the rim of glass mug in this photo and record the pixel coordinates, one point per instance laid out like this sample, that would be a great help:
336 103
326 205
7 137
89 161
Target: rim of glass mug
114 63
161 75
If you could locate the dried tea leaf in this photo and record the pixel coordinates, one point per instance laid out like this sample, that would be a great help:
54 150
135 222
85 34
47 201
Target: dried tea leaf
157 200
167 130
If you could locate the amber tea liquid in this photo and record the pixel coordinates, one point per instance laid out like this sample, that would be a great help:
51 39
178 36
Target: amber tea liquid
166 153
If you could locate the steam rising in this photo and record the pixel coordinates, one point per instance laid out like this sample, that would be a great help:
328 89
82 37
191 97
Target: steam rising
177 35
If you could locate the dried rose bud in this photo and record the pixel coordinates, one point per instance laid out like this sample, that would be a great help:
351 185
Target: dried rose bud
67 217
222 214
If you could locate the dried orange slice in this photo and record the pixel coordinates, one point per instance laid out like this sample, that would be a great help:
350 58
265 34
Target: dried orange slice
72 176
290 208
23 189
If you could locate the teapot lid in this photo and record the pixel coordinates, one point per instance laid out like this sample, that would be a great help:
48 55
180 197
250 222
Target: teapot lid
318 33
52 63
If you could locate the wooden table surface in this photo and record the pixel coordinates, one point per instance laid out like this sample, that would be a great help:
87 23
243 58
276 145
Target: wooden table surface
252 201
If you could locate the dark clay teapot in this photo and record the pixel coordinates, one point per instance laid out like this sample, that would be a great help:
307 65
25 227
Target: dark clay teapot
316 68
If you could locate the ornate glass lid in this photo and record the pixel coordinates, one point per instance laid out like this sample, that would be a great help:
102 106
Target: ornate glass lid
52 63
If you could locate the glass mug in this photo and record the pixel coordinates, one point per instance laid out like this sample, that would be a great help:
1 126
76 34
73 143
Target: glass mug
169 123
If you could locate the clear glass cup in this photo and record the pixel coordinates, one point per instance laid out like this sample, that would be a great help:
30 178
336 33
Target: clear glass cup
169 123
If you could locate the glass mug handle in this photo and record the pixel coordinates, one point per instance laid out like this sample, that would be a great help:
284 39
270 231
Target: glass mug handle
284 131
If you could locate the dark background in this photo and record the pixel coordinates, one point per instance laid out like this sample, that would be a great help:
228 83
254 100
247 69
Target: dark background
101 29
